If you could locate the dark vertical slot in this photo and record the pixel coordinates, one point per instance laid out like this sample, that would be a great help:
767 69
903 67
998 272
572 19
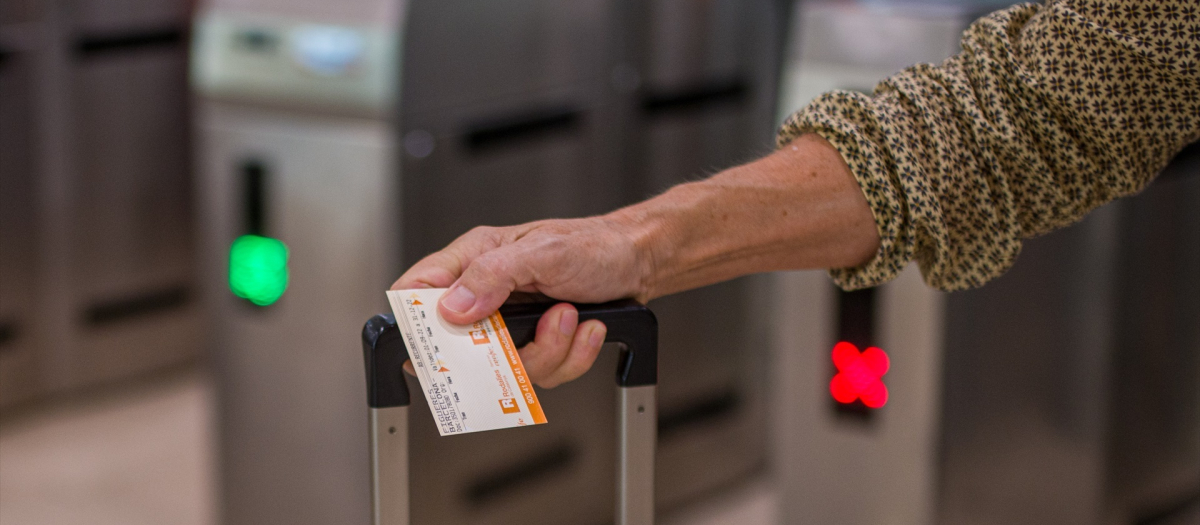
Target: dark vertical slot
856 325
254 175
856 317
8 333
5 55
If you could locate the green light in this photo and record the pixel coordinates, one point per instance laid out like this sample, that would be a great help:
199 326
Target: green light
258 269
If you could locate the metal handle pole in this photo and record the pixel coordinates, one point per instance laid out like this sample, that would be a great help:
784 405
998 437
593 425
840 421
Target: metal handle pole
389 466
629 323
387 397
637 433
634 327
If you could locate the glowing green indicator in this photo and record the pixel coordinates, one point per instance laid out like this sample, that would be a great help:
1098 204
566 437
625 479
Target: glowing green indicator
258 269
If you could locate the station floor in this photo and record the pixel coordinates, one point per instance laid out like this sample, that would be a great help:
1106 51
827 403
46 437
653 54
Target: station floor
142 455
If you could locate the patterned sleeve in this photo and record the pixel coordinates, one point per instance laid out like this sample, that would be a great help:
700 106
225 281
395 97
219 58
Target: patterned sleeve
1048 112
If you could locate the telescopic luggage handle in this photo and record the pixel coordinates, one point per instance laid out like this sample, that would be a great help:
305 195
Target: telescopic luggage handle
629 323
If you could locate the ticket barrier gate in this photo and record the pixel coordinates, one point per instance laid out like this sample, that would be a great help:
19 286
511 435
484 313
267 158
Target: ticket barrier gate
1061 393
629 324
451 115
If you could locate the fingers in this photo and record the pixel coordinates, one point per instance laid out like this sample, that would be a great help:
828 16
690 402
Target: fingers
563 349
580 357
486 283
481 268
440 269
551 341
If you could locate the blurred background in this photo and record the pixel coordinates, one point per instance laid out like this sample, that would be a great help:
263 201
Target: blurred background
202 201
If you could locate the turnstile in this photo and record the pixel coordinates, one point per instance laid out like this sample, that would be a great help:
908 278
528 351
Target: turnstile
1063 392
365 136
97 268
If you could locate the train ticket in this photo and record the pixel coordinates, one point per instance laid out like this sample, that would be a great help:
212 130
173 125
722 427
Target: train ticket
472 375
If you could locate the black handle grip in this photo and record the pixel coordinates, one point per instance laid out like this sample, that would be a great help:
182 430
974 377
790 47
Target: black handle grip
385 354
629 323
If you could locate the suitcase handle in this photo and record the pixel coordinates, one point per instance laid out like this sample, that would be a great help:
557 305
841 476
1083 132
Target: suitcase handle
629 323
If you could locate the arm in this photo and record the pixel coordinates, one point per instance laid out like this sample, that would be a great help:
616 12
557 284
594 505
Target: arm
796 208
1048 112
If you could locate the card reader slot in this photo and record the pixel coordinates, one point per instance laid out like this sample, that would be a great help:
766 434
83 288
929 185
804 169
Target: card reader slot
698 96
136 305
697 412
90 46
515 477
505 130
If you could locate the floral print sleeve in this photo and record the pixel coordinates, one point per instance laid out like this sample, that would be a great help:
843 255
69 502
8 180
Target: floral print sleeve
1049 111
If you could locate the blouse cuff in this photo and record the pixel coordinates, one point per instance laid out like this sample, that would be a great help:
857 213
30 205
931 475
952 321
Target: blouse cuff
841 119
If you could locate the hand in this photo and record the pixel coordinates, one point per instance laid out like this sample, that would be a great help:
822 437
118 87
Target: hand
583 260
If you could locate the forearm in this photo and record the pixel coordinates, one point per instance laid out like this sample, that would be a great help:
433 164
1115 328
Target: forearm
799 207
1049 111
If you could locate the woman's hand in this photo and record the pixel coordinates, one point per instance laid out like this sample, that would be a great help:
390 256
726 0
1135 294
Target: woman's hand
583 260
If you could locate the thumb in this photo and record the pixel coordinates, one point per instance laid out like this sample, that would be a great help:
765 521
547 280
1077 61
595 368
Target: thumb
483 287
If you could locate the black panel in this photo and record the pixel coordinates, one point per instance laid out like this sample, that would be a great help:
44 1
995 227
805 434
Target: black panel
1152 410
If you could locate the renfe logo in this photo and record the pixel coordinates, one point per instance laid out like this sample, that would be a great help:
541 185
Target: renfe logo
509 406
860 375
478 334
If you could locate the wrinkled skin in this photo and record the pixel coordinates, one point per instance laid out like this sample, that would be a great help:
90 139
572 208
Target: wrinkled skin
799 207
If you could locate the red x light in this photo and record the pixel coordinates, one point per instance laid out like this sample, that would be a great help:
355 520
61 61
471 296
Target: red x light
860 375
